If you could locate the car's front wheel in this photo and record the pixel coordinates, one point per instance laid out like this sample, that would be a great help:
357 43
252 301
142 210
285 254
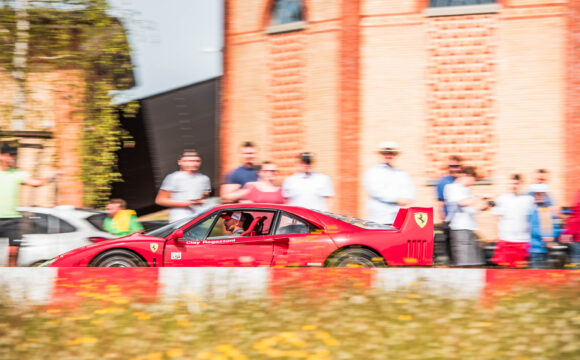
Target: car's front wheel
356 257
118 258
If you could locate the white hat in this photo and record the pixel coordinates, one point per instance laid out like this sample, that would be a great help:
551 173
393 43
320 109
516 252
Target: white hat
388 146
538 188
236 215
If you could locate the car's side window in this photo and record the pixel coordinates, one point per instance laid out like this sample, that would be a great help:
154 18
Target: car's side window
34 223
250 223
199 230
59 226
292 225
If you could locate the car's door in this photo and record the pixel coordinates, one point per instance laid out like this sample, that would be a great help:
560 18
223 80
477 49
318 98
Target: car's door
299 243
206 243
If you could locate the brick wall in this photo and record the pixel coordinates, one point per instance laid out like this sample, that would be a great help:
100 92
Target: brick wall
572 128
393 92
51 109
273 96
68 128
530 94
499 89
286 70
461 82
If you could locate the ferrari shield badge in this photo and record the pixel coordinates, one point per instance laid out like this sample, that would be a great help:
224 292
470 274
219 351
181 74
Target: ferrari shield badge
154 247
421 219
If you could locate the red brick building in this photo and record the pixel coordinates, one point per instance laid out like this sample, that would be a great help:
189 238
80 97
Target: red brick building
50 142
496 82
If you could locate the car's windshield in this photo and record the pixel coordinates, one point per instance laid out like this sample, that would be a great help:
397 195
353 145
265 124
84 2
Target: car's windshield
364 224
164 231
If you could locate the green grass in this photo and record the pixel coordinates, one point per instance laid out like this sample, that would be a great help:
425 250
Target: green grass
347 322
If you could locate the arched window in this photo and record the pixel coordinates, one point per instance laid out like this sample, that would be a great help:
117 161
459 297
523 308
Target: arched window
286 12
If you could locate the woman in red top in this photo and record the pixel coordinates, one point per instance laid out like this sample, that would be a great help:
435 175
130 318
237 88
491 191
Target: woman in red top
264 190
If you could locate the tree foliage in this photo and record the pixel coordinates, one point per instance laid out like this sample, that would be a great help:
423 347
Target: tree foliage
80 35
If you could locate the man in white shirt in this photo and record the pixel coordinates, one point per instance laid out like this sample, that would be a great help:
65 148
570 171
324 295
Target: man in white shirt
186 190
514 209
462 208
389 188
306 188
514 227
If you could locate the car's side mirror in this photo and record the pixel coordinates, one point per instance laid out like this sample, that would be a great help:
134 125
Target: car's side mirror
176 235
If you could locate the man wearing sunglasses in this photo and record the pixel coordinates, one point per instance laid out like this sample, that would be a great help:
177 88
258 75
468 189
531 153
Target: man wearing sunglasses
453 168
389 188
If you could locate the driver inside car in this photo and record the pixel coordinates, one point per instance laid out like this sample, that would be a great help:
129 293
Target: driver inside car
236 222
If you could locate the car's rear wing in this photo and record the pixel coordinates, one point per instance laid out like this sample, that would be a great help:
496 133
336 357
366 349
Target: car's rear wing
415 217
415 224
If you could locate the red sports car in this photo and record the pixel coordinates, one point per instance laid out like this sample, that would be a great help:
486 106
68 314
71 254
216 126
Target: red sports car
267 235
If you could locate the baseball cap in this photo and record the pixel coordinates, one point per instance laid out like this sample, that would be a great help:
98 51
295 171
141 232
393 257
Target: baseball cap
388 146
236 215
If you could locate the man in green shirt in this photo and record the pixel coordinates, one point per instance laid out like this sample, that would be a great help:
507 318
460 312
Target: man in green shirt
10 181
121 221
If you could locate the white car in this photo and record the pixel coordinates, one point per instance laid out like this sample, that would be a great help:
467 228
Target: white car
48 232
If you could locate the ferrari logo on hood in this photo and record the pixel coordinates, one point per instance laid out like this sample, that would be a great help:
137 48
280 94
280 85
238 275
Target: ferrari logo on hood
421 219
154 247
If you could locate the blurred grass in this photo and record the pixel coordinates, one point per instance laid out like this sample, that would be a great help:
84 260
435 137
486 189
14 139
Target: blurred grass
349 322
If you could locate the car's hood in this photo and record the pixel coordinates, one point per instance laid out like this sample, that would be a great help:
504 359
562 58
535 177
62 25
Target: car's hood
129 241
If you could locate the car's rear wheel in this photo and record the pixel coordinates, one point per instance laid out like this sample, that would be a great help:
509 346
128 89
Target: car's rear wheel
118 258
356 257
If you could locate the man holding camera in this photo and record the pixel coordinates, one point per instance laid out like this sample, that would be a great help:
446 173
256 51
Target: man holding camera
463 207
307 188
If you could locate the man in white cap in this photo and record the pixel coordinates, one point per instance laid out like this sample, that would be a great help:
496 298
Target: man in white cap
389 188
236 222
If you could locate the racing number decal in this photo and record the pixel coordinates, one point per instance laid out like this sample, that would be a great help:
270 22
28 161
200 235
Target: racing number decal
421 219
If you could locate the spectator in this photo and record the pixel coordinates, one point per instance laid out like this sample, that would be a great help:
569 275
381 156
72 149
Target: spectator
307 188
463 207
10 180
186 190
120 221
514 209
389 188
236 179
264 190
571 234
541 180
545 229
453 168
